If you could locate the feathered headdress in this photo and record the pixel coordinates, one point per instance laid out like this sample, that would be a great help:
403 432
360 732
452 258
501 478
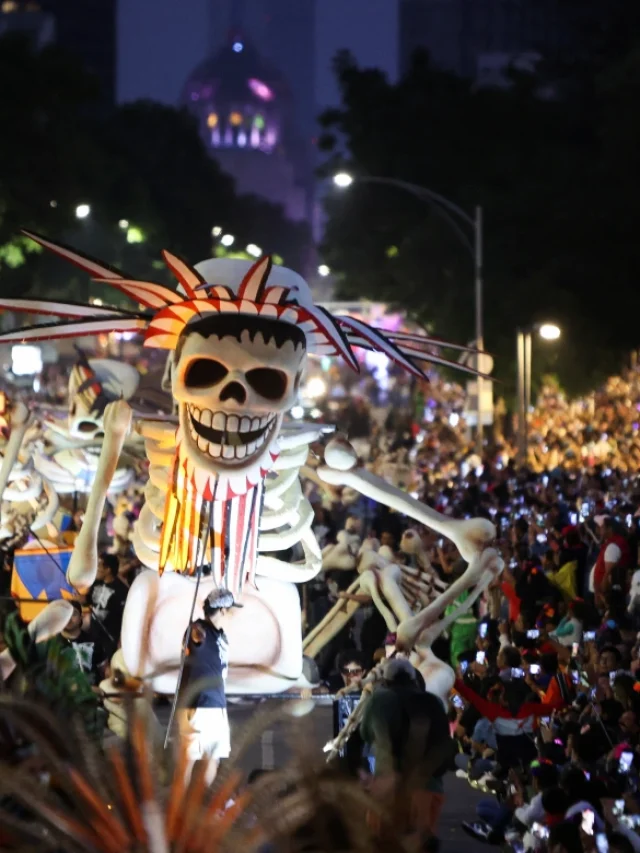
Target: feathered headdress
168 313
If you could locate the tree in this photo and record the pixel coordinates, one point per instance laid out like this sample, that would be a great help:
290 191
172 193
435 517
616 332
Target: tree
142 168
546 182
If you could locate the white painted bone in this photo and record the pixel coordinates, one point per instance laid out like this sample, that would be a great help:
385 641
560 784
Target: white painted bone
469 536
84 560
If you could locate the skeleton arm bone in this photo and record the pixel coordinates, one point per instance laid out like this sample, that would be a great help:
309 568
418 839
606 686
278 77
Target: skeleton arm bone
470 536
19 424
84 560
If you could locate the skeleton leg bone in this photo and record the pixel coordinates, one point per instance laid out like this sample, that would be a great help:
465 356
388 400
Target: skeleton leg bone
19 424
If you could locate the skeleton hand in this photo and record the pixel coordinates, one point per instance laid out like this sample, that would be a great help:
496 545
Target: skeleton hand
50 621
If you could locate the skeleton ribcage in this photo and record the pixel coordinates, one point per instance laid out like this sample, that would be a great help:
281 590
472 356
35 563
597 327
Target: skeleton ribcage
240 537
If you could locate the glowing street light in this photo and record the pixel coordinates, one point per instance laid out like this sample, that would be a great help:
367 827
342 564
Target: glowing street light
324 270
253 250
216 231
124 224
82 211
549 331
524 347
227 240
315 388
342 180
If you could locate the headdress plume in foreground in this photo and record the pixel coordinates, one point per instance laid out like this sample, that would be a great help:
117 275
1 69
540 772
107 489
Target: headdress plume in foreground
132 798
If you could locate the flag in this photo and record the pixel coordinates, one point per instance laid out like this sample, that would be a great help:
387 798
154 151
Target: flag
40 574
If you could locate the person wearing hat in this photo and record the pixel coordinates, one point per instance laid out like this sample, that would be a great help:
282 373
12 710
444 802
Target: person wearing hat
203 705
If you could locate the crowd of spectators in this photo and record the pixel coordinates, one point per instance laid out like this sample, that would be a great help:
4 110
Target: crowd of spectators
545 716
546 710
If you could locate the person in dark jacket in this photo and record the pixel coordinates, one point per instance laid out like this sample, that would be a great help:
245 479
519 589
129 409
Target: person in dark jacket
408 732
203 705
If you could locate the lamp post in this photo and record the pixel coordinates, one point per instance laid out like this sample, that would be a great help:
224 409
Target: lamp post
448 211
524 346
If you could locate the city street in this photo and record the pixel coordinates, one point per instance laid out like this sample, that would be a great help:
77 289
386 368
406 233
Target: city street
274 747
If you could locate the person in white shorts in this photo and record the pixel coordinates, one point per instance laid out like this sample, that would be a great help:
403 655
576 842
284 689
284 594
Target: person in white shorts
203 706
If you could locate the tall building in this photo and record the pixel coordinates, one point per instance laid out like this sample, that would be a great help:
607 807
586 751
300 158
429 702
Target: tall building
85 28
290 48
244 111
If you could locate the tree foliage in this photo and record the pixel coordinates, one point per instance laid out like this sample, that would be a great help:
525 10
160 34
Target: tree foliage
554 177
141 162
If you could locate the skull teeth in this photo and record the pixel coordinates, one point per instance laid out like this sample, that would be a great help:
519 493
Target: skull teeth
228 437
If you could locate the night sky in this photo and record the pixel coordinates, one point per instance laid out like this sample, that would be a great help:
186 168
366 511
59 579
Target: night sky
159 42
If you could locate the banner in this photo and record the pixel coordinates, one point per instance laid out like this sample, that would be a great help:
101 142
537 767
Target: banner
39 574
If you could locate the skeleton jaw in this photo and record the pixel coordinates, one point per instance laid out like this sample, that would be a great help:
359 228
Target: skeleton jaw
229 437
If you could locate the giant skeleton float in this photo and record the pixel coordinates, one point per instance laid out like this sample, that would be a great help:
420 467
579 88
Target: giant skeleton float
224 495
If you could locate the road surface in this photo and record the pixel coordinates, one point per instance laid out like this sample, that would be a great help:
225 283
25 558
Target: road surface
273 747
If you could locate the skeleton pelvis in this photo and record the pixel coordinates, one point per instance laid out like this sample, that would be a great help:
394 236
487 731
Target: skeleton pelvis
264 635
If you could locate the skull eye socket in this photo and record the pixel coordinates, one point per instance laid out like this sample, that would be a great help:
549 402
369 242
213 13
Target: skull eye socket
204 372
86 426
268 382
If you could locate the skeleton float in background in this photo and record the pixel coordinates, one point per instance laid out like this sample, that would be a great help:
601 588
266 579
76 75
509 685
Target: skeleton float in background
70 447
224 494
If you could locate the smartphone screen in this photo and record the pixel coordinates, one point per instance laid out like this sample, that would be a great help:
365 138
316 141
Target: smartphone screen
588 818
625 762
533 634
541 538
516 672
589 636
573 518
534 669
575 676
464 664
457 701
602 843
480 657
540 831
575 648
482 630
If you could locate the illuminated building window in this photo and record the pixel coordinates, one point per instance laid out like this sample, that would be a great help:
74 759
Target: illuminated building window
242 139
235 118
212 119
255 137
260 89
258 122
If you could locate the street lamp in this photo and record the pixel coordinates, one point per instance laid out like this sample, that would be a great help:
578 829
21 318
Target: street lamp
253 250
227 240
123 223
342 180
82 211
548 332
323 270
448 211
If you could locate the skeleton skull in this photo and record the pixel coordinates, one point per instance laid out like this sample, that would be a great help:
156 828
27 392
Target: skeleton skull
233 379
